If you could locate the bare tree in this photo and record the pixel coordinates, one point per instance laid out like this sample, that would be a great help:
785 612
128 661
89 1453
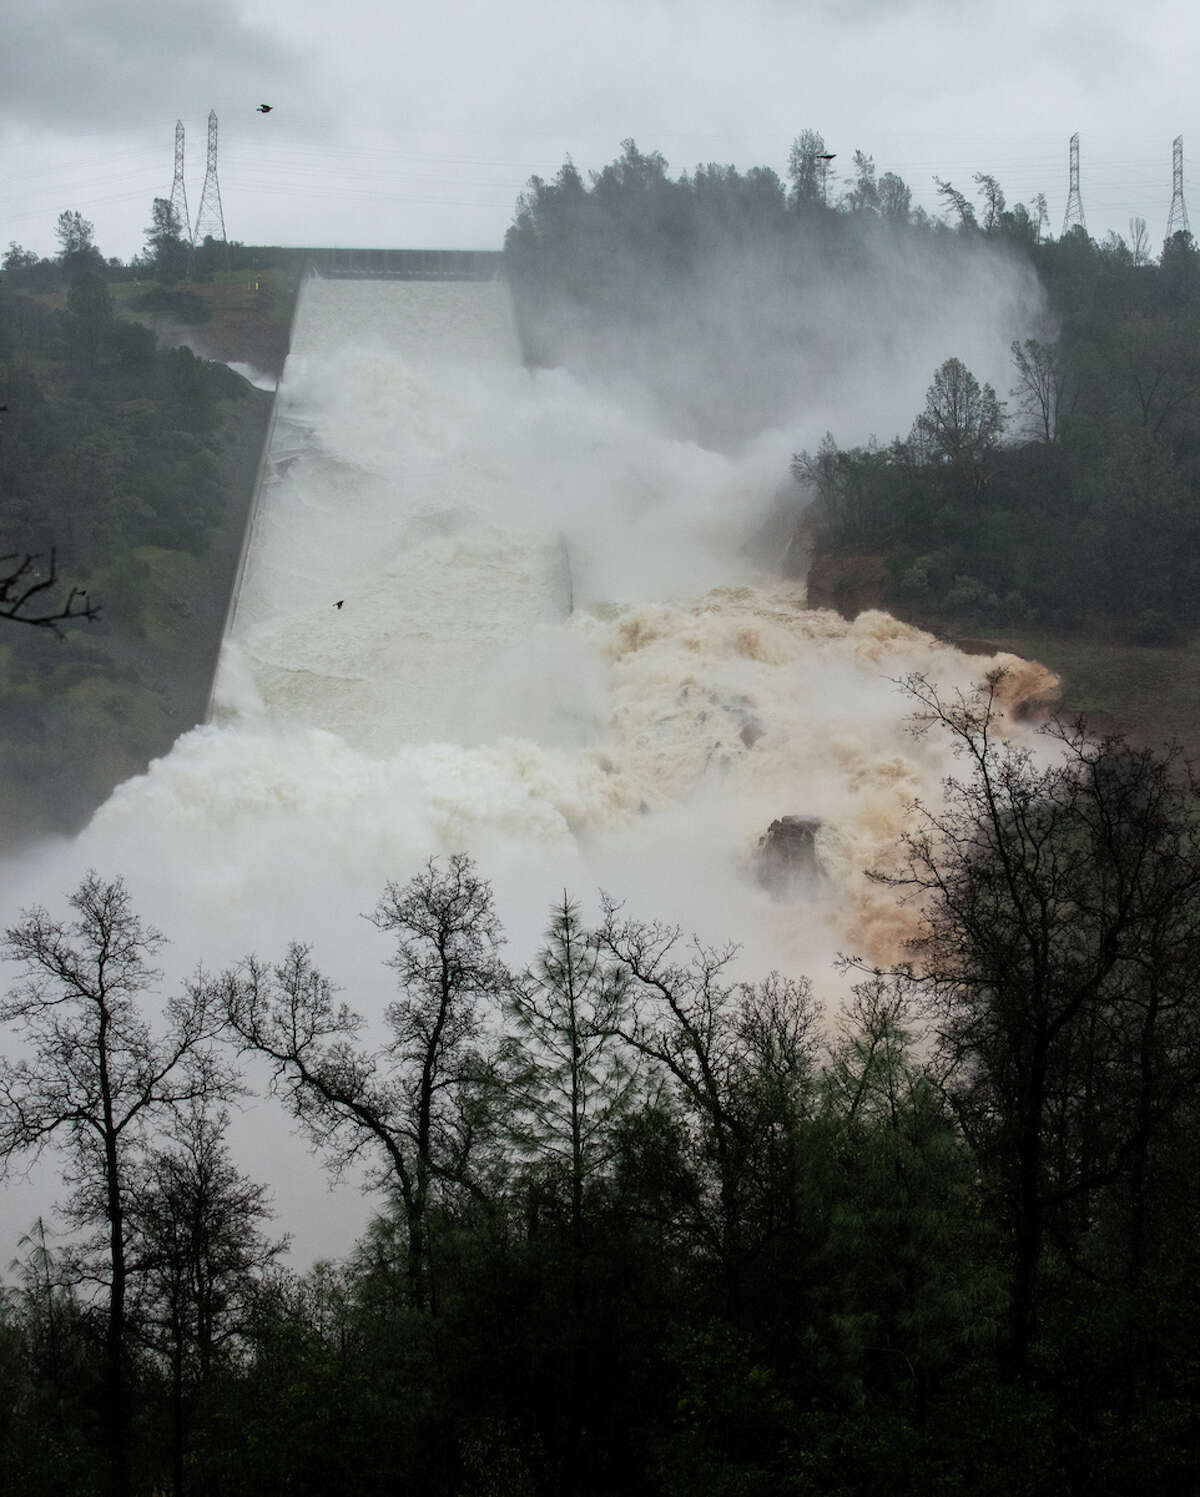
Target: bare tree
22 586
198 1256
1046 390
97 1082
1161 371
843 485
739 1057
418 1103
1139 241
1060 930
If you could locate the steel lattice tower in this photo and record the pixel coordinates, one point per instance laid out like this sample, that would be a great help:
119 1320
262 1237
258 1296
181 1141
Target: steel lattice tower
210 220
178 190
1177 219
1074 213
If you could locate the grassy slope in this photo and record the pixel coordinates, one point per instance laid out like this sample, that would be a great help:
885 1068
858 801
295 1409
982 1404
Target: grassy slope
250 316
1150 693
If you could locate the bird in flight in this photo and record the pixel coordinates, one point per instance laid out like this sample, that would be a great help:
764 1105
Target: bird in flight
339 602
264 108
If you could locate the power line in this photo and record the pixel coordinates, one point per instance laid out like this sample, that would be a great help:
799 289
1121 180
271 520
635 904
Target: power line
1177 218
178 191
1074 214
431 172
210 217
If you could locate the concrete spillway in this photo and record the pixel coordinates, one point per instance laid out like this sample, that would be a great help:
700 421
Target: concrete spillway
385 576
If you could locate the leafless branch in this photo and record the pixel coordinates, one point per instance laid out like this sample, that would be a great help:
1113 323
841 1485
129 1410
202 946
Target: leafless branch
25 594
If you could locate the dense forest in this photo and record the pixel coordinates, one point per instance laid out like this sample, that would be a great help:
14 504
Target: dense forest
647 1224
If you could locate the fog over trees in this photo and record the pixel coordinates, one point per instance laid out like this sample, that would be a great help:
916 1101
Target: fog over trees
643 1224
1068 493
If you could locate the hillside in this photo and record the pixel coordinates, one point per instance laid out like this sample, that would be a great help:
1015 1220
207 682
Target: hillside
239 317
134 463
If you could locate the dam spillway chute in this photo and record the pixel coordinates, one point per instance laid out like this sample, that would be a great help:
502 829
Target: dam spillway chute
389 502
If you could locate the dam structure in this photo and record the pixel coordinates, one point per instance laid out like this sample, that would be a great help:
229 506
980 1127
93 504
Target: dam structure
401 264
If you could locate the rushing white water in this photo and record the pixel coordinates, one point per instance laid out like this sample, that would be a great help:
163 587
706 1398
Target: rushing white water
550 651
253 374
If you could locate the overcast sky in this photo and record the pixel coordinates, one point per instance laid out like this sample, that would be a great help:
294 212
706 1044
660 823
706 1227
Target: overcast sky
418 124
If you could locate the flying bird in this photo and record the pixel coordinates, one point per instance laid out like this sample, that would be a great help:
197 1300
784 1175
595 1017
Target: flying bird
339 602
264 108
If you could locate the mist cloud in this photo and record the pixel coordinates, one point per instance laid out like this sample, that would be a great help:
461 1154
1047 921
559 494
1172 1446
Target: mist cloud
752 341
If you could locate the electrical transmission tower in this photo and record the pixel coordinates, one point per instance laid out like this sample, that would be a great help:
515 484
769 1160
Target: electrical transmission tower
1074 213
1177 219
178 190
210 220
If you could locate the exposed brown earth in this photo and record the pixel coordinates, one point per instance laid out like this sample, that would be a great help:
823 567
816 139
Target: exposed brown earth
847 584
251 321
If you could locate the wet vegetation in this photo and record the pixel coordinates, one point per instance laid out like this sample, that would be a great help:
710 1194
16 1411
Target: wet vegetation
1081 500
128 467
646 1226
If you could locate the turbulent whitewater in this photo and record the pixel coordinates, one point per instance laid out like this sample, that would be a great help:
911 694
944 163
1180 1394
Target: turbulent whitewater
504 611
550 650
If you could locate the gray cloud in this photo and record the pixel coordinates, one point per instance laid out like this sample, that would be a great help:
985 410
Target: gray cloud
73 65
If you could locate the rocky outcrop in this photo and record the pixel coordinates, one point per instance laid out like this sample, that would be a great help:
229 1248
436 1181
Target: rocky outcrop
848 584
787 854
